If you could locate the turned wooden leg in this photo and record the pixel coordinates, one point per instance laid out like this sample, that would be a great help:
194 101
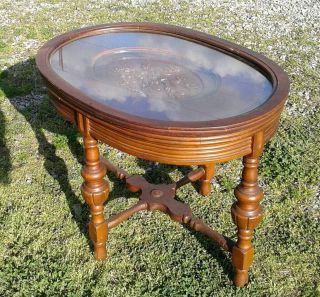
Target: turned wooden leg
246 212
95 191
205 187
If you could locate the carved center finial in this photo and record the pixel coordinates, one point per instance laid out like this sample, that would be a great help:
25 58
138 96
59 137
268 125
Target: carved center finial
156 193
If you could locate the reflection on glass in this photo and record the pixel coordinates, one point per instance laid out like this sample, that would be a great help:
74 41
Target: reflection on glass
161 77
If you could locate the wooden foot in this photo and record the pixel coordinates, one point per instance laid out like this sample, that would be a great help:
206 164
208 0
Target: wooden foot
246 212
205 187
240 278
95 191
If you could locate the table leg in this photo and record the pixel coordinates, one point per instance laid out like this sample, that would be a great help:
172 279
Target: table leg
95 191
205 187
246 212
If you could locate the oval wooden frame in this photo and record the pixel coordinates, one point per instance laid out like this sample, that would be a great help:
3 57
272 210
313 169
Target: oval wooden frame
179 143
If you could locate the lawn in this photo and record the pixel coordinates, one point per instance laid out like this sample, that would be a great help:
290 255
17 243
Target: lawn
44 249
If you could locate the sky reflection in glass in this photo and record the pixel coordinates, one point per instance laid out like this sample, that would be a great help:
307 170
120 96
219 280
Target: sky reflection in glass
161 77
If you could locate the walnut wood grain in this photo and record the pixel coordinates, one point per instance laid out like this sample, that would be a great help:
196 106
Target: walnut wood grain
202 143
118 172
247 212
95 189
161 197
224 242
190 177
115 220
194 149
205 187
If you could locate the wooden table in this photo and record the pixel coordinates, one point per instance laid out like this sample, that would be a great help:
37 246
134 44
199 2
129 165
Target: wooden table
170 95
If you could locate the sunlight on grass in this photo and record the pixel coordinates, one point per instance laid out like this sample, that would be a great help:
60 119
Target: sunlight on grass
44 248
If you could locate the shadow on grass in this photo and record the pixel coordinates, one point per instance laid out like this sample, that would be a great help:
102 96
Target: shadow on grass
23 86
5 162
215 251
159 173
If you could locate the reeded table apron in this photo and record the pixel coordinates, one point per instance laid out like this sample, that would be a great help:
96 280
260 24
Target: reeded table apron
170 95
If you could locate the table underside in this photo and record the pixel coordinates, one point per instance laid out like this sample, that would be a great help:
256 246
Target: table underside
161 197
246 212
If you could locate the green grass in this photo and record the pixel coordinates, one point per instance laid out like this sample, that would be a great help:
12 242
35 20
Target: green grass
44 248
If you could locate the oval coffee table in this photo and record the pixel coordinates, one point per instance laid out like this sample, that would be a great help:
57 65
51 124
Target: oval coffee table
170 95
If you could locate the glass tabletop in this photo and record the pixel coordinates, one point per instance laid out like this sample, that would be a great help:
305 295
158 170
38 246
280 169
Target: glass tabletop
160 77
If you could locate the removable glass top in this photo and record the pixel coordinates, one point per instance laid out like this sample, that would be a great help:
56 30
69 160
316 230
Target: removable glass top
160 77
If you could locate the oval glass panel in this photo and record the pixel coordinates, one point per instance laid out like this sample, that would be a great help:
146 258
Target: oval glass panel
160 77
